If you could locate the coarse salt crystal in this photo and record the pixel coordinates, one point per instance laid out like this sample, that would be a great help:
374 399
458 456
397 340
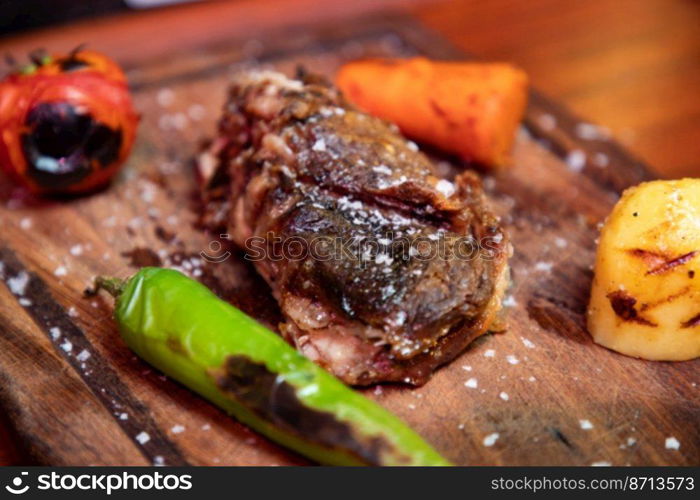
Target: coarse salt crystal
489 353
547 121
60 271
576 160
196 112
445 187
527 343
467 368
510 301
471 383
585 424
158 461
25 223
601 160
543 266
177 429
67 346
83 355
18 284
512 359
55 332
591 132
165 97
76 250
319 145
382 169
672 443
491 439
601 464
143 437
124 416
560 242
504 396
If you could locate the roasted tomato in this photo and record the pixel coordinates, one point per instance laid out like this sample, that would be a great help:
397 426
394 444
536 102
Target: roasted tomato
67 123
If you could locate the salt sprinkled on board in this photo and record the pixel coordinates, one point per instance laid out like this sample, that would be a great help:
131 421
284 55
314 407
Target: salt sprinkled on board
491 439
601 464
124 416
83 355
72 312
547 121
489 353
585 424
531 379
158 461
672 443
196 112
471 383
177 429
67 346
591 132
24 302
143 437
179 121
544 267
527 343
576 160
509 301
18 284
467 368
206 427
165 97
60 271
25 223
560 242
504 396
76 250
512 359
55 332
601 160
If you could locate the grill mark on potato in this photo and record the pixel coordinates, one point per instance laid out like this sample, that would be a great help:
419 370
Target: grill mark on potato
678 261
669 298
692 322
623 304
659 263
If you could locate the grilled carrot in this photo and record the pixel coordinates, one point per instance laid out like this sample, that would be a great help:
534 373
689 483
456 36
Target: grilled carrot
469 109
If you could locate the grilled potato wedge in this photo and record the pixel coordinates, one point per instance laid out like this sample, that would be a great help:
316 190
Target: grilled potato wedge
645 299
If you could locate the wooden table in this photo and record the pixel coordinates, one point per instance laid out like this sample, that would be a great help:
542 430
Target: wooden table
630 65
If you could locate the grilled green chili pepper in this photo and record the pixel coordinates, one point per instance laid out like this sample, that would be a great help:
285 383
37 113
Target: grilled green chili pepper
180 327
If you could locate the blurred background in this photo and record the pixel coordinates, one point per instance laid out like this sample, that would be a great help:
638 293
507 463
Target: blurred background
630 65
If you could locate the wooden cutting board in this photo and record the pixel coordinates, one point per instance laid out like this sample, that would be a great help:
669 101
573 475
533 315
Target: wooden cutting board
74 394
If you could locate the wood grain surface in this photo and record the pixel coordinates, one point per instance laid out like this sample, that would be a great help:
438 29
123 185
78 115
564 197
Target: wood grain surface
74 394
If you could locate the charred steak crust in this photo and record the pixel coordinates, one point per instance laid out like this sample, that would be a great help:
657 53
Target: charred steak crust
295 162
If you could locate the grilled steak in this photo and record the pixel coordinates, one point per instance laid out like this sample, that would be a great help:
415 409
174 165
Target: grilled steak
382 270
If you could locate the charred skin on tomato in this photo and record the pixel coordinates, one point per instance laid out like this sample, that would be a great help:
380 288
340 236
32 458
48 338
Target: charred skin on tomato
68 123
